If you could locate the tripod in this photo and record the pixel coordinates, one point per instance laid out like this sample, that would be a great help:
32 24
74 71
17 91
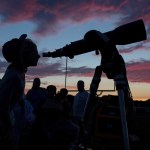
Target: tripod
122 87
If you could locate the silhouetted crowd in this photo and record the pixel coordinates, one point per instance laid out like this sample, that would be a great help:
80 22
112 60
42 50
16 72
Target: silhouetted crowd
53 127
47 119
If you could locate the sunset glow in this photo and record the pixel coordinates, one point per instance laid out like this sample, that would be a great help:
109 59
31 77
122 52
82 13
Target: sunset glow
53 24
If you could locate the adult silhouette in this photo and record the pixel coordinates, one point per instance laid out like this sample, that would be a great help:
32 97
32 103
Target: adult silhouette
36 95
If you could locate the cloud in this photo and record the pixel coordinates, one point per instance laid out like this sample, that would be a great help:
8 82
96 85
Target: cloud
81 71
42 70
136 47
135 10
57 69
49 16
139 71
3 65
136 71
13 11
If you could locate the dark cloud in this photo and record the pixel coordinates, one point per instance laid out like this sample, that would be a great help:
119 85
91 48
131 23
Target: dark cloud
48 15
136 71
43 23
133 48
81 71
43 70
57 69
16 11
135 10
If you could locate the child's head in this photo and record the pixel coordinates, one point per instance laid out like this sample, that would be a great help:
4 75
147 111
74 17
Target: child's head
21 50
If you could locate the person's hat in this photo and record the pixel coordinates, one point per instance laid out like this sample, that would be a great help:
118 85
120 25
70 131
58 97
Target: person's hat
11 49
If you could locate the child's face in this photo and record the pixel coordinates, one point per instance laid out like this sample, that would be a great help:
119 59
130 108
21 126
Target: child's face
30 56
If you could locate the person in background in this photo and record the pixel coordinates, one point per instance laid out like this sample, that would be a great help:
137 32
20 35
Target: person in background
62 98
51 129
20 53
36 95
51 91
70 99
79 102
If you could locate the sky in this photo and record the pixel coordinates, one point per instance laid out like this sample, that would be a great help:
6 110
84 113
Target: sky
54 24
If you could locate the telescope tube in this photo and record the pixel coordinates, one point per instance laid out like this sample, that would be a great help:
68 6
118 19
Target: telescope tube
125 34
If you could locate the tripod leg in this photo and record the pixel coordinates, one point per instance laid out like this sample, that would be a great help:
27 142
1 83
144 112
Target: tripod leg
93 90
119 86
89 104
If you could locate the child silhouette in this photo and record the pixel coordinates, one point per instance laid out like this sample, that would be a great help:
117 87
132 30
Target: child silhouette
21 53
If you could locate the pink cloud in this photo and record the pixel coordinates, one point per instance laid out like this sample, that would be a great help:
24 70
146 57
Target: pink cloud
80 71
17 11
136 71
139 72
139 66
44 70
48 16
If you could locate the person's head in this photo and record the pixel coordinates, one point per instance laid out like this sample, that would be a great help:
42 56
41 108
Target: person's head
80 85
36 83
63 92
21 51
51 90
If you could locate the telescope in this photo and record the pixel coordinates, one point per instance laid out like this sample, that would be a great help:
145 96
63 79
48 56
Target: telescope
95 40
